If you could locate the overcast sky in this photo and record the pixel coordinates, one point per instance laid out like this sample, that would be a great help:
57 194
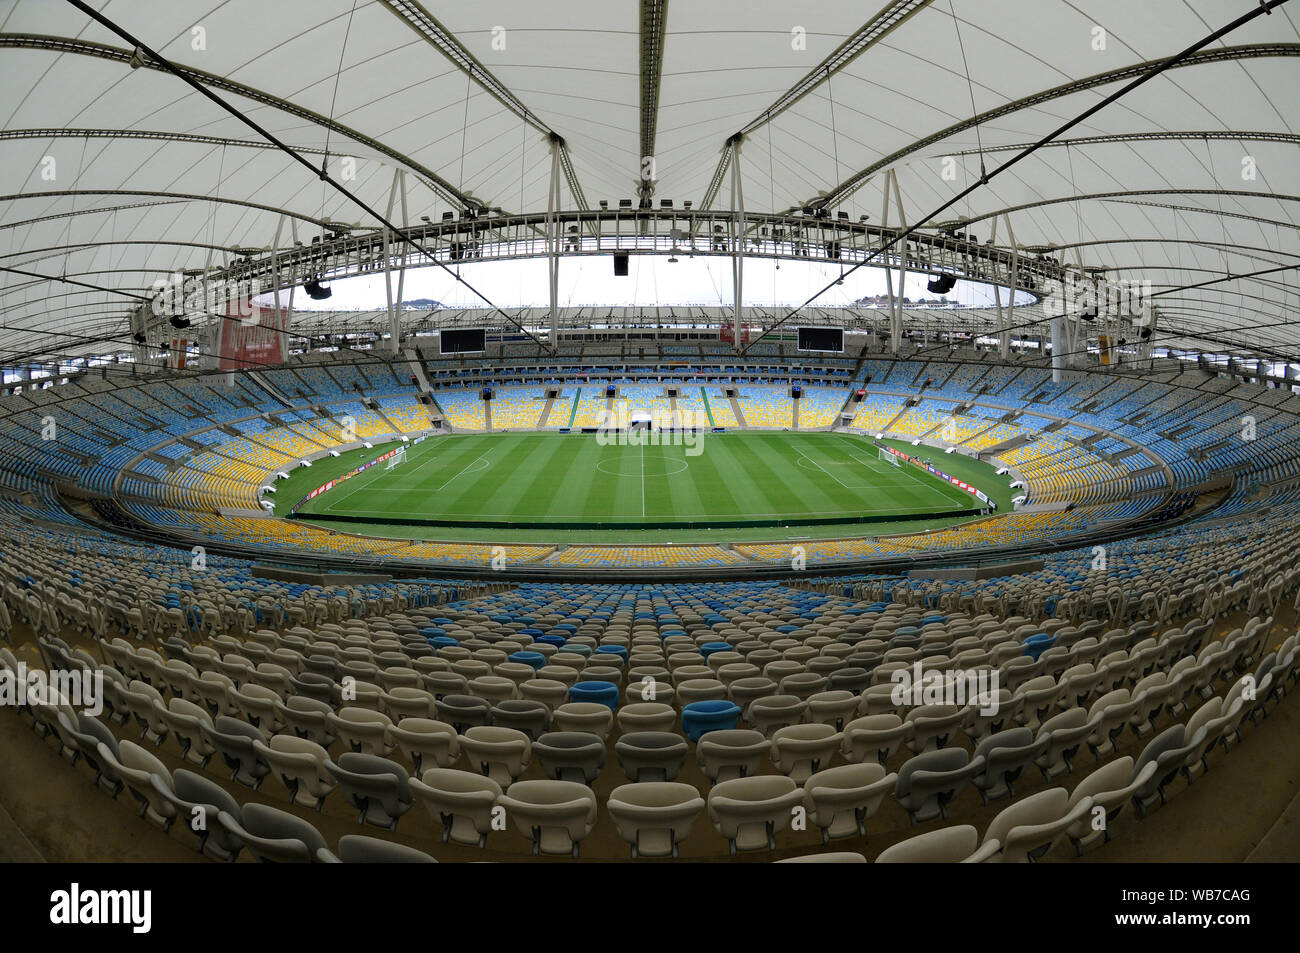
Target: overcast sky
652 280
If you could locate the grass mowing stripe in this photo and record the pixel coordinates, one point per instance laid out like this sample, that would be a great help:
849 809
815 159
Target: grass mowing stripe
538 476
783 490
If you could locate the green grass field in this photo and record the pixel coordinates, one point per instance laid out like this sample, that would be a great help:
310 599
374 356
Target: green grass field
543 479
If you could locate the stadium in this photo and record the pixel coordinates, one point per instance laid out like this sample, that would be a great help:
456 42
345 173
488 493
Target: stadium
649 432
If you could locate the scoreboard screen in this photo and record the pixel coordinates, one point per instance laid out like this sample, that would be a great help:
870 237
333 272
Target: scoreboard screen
821 339
463 342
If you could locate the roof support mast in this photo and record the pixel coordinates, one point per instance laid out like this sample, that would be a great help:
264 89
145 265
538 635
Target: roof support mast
737 242
895 301
1006 317
553 239
397 191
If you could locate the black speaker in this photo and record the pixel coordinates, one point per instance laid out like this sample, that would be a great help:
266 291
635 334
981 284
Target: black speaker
315 290
796 391
611 391
620 265
941 284
487 393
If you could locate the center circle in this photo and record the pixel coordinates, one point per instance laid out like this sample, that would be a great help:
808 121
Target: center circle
638 465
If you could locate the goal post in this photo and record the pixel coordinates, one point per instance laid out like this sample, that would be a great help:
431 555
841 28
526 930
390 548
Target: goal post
397 458
887 457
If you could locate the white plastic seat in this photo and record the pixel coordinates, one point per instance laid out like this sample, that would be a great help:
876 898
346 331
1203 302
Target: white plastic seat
425 742
800 750
874 738
654 816
464 803
749 812
555 815
502 754
840 800
1028 829
1110 789
363 730
947 845
300 765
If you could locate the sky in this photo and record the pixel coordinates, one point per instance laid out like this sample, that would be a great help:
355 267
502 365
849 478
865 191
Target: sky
652 280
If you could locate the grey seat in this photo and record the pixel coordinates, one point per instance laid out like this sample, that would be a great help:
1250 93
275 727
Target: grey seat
531 717
1165 751
1006 755
90 733
379 789
1065 734
464 712
928 782
233 740
274 836
570 755
199 803
651 755
311 684
360 849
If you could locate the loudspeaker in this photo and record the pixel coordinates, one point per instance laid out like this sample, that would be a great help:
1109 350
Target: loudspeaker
796 391
487 393
620 266
941 284
611 391
315 290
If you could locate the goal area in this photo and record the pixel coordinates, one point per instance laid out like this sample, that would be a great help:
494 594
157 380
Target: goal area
887 457
397 458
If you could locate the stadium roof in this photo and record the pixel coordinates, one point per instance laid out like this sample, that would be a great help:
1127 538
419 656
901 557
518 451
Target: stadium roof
118 172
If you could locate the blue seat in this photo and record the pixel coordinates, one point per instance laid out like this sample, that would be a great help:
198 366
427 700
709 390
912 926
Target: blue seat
708 648
1035 645
556 640
701 717
534 659
442 641
604 693
612 650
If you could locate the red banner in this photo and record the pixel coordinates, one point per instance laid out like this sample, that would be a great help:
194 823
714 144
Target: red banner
254 338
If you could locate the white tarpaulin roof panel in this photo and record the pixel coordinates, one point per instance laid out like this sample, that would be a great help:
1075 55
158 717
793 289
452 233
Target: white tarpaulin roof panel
1195 175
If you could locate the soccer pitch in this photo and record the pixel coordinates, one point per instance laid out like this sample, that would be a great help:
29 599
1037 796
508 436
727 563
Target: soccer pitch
571 480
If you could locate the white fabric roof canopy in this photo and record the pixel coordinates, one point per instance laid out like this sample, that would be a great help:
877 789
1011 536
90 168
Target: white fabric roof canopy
149 177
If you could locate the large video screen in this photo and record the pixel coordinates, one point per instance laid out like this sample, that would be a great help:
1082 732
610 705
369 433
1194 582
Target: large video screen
821 339
463 342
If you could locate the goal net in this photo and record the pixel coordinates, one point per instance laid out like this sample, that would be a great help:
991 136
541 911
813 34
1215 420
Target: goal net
397 458
887 457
